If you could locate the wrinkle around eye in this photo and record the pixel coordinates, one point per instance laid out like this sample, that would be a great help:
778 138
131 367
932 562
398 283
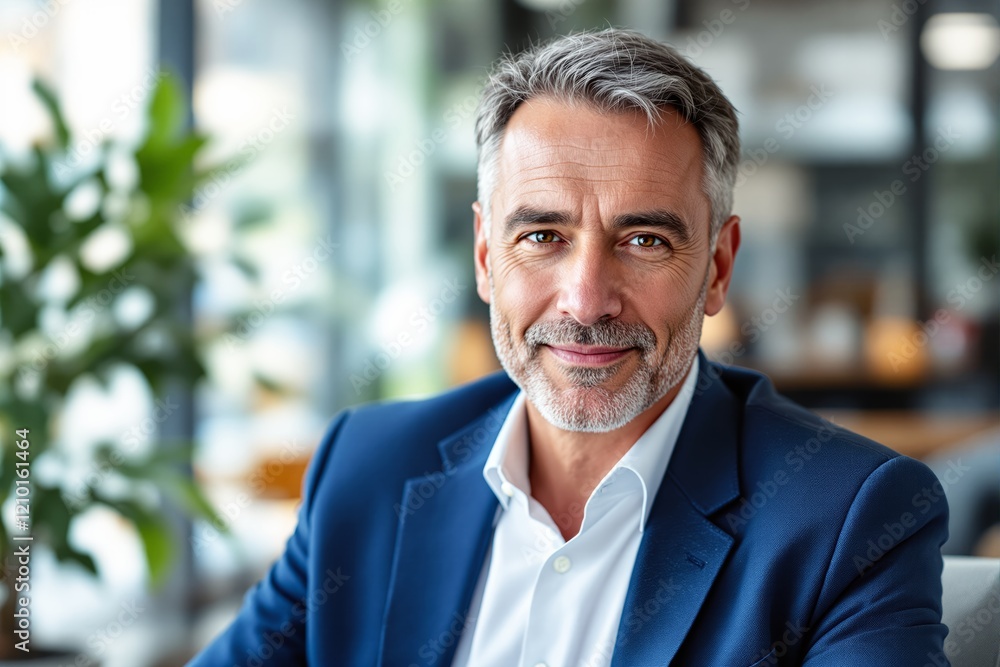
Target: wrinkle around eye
508 259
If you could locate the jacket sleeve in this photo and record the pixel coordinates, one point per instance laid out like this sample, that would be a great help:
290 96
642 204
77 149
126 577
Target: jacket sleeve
271 626
880 604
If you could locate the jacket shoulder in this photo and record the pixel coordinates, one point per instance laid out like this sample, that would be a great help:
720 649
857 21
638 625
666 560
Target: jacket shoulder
438 415
399 438
799 464
774 425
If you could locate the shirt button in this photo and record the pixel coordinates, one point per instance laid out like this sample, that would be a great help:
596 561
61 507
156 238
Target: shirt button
508 489
561 565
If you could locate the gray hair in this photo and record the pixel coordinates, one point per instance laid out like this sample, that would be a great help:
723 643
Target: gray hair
614 70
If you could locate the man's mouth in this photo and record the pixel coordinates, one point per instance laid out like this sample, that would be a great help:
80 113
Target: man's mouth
588 355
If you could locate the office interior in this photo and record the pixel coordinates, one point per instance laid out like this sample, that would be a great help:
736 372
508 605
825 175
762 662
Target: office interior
324 257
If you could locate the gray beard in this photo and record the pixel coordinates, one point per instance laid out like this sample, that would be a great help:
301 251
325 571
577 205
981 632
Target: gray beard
587 406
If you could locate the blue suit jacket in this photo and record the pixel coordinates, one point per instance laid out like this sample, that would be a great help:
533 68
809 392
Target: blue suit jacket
775 538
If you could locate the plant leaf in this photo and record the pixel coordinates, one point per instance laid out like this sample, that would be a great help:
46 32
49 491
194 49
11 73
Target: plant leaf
48 98
154 532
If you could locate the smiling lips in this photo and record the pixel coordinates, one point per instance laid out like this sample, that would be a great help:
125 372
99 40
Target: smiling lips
588 355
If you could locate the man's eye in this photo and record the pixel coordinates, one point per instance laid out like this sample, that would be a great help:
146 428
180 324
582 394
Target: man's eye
542 237
647 241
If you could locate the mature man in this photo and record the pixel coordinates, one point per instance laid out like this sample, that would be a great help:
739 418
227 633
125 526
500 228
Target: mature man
614 498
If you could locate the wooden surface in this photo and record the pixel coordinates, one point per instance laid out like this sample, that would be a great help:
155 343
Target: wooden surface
917 434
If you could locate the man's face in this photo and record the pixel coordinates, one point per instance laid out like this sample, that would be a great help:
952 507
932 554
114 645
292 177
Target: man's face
597 265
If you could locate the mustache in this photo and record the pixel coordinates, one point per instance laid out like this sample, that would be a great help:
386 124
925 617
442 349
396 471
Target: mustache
610 333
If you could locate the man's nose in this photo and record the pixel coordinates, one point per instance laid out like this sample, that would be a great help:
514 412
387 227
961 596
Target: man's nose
589 285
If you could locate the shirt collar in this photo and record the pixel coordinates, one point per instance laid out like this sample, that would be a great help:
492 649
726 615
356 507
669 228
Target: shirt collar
506 468
507 465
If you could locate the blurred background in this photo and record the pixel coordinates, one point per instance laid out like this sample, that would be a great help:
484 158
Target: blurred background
223 221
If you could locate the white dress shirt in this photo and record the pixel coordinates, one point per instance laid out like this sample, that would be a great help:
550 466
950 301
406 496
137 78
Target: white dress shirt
542 601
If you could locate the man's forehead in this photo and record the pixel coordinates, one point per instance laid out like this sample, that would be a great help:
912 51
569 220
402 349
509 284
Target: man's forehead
544 132
554 151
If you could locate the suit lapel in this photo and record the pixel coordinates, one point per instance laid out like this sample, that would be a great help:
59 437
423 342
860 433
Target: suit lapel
682 551
440 549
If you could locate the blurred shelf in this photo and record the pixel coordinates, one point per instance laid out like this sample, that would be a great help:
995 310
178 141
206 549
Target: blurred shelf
917 434
841 377
278 478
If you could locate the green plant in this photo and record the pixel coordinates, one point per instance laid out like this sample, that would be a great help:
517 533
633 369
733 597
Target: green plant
41 362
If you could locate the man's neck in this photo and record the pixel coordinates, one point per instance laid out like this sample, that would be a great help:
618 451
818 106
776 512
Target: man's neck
564 467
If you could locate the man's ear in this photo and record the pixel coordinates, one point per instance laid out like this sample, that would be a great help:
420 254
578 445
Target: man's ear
481 254
721 269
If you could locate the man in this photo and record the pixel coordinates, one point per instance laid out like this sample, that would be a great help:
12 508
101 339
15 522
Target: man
614 498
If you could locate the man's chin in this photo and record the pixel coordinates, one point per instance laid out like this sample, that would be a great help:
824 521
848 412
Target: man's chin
594 390
590 410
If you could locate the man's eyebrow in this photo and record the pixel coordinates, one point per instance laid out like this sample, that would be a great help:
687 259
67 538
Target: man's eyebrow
525 215
656 219
662 219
